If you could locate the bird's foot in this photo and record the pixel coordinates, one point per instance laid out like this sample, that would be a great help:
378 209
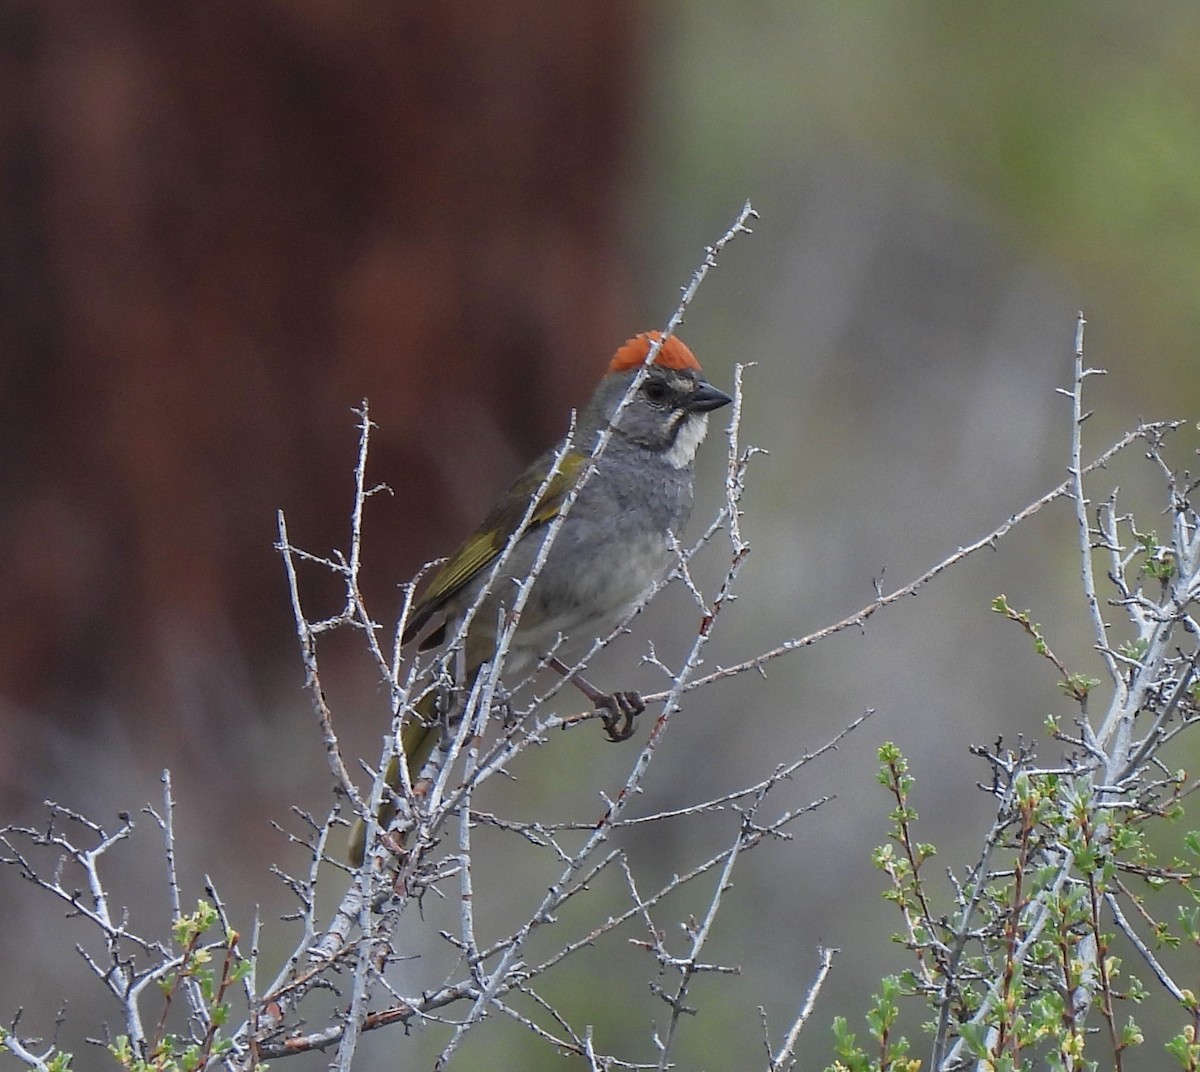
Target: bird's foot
619 712
617 709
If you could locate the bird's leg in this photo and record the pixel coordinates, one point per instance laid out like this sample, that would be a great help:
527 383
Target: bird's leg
619 709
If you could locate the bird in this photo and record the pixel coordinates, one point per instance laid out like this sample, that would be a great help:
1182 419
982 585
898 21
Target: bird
616 541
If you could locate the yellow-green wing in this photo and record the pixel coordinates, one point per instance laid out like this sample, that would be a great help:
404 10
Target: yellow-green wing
486 542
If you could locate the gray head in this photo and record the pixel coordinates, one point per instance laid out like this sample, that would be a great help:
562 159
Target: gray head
669 412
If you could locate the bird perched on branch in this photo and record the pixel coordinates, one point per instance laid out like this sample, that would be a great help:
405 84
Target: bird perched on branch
614 544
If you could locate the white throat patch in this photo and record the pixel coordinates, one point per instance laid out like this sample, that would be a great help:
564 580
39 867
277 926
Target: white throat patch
692 430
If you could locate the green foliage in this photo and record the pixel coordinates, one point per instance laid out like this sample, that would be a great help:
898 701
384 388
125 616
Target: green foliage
207 991
1184 1048
1077 686
891 1053
1019 965
1158 561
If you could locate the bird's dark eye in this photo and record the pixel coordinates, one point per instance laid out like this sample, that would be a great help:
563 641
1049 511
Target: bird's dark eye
655 391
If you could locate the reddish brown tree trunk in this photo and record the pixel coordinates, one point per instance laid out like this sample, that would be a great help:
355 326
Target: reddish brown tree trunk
226 222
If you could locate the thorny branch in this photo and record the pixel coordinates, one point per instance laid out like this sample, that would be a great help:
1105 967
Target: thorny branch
354 956
1025 956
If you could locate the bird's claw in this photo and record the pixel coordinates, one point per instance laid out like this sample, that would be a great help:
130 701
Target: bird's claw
618 712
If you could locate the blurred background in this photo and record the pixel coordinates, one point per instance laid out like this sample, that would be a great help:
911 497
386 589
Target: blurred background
224 224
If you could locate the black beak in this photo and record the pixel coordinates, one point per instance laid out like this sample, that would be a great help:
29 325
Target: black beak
706 398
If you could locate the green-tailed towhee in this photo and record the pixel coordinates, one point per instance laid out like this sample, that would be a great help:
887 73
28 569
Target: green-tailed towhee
614 544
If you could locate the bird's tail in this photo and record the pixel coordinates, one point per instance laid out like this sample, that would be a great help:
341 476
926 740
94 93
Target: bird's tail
418 738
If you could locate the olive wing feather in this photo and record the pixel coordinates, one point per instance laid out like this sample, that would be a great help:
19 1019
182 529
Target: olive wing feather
485 544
